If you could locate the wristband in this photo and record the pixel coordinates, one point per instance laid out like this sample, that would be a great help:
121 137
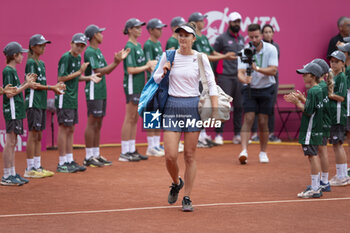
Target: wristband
48 88
257 68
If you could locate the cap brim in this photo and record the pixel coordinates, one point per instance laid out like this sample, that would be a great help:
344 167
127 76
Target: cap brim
140 24
79 42
302 71
24 50
342 48
44 42
101 29
186 29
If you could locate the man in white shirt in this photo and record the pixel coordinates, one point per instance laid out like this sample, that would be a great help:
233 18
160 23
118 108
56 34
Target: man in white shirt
257 91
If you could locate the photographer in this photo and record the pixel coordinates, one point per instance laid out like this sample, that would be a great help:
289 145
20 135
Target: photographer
257 67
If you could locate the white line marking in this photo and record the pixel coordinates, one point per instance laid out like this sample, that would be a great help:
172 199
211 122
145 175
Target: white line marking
169 207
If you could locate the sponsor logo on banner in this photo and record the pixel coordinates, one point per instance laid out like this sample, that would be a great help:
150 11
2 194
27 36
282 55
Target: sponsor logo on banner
217 23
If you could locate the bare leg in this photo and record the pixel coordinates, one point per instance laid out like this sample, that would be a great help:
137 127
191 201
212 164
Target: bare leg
38 143
190 140
245 131
70 139
31 144
8 153
315 165
97 129
340 155
62 140
89 132
130 122
171 144
322 150
263 131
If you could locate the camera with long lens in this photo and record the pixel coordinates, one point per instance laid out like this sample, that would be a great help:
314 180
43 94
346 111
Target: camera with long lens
247 56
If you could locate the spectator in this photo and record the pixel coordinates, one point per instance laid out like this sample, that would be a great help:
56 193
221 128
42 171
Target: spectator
344 31
230 41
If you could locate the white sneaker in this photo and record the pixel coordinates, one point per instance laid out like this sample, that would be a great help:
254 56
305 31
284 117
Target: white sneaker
154 151
335 181
219 140
263 157
181 147
202 144
310 193
243 157
236 139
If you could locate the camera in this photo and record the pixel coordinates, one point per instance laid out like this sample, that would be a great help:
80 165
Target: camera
247 56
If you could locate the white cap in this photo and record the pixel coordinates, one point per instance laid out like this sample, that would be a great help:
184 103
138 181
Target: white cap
234 16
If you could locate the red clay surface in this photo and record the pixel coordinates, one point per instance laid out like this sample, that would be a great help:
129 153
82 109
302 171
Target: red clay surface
220 179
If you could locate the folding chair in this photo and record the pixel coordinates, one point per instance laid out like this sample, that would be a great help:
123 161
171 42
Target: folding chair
285 111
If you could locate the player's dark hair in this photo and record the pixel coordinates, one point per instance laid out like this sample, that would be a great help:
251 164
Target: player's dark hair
254 27
10 58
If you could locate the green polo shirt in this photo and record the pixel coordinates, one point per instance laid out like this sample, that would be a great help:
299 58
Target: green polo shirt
338 109
36 98
172 43
13 108
152 51
311 127
202 45
95 91
67 65
134 83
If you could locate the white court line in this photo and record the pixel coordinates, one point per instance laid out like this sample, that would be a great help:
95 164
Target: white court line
168 207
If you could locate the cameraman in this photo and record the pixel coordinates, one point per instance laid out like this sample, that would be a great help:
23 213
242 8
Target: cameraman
258 89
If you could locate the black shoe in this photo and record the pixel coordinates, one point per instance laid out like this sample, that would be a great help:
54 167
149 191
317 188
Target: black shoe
187 204
77 166
136 154
93 162
103 160
174 191
128 157
211 143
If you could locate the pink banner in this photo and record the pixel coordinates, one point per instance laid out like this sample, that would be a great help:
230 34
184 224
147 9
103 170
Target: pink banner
303 30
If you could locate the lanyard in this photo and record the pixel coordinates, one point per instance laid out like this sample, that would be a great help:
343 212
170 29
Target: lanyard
259 64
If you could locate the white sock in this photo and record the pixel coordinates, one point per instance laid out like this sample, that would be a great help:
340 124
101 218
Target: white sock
37 162
262 153
202 135
315 184
62 160
89 153
125 147
345 169
156 141
244 151
30 164
69 158
150 142
13 171
95 152
324 177
7 172
339 170
132 147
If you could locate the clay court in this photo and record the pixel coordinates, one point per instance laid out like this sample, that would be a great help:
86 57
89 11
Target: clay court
132 197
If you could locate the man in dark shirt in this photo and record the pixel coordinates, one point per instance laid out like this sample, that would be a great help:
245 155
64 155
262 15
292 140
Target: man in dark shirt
344 31
226 70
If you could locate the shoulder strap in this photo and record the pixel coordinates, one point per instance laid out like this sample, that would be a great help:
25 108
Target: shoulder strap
202 72
170 55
